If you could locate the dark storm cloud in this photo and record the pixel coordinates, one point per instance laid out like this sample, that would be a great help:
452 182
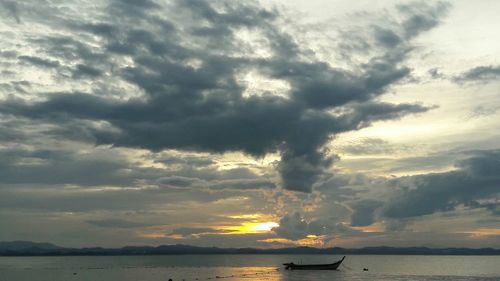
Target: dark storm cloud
476 180
203 107
115 223
480 73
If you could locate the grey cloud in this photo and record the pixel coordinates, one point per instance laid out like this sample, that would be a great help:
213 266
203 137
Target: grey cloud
383 164
39 61
477 178
66 167
115 223
187 160
364 212
188 231
110 167
16 86
435 73
387 37
295 227
55 198
483 111
421 16
179 182
203 108
132 7
393 32
12 8
143 4
188 182
9 131
372 146
70 50
8 54
244 184
292 227
226 241
479 73
86 71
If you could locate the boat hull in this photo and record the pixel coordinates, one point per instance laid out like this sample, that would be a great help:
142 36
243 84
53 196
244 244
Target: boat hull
330 266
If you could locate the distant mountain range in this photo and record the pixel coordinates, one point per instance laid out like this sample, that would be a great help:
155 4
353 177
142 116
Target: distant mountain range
26 248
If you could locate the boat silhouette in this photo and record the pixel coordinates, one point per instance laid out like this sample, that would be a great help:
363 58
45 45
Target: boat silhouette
329 266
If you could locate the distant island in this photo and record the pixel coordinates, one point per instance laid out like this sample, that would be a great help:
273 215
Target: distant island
26 248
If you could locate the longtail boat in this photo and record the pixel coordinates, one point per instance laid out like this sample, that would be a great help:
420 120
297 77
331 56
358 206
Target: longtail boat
329 266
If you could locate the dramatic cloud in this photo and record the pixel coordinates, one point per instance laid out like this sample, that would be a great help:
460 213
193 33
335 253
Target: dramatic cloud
188 74
211 122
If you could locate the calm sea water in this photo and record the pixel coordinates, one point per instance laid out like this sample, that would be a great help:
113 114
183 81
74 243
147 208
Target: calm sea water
246 267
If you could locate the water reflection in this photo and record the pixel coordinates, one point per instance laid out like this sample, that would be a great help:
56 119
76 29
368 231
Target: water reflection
246 267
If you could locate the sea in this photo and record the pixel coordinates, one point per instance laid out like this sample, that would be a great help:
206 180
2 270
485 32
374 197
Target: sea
247 267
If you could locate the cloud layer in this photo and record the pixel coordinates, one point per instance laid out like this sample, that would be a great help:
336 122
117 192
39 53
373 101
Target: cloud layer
209 122
188 93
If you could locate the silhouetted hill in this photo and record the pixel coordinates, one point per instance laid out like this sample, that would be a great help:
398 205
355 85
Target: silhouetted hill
25 248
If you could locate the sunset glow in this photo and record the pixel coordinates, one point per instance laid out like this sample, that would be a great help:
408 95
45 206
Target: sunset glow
251 227
260 124
484 232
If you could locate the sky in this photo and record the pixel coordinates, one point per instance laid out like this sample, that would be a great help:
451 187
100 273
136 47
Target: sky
250 123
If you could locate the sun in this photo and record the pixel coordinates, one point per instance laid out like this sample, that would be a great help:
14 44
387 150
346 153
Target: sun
264 226
251 227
